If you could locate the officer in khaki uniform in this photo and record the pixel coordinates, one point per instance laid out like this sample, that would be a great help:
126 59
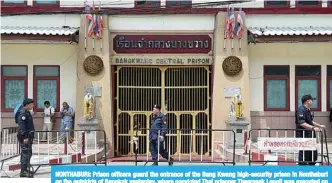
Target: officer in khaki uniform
25 136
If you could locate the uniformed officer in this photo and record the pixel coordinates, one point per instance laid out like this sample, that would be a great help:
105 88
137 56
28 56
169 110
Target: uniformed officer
157 136
304 120
25 136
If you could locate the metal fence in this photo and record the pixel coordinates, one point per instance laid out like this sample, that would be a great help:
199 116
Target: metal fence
287 147
195 148
75 147
9 147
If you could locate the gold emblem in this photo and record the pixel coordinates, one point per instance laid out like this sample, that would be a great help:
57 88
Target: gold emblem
232 65
93 64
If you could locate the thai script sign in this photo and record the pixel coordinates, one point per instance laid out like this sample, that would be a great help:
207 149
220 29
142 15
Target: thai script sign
152 44
286 144
161 60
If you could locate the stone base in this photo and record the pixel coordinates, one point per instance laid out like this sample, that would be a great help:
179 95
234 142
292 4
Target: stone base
239 126
92 136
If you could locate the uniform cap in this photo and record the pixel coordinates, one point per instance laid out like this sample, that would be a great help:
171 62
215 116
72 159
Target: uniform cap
157 106
27 101
307 97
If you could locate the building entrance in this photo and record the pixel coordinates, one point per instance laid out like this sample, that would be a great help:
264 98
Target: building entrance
184 95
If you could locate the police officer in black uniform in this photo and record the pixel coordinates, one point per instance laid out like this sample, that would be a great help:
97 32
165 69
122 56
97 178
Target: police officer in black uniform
25 136
306 128
157 136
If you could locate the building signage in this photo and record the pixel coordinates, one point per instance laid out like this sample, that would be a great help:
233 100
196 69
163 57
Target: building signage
154 44
161 60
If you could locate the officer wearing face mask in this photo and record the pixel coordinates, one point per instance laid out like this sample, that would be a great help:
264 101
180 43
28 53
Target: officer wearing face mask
157 136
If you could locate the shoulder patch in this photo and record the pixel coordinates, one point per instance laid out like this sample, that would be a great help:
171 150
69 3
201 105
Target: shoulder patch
23 118
301 115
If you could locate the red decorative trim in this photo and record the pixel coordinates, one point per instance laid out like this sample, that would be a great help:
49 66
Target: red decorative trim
4 4
266 5
212 69
114 100
148 11
328 92
318 78
3 78
43 5
319 5
329 79
277 77
36 37
35 78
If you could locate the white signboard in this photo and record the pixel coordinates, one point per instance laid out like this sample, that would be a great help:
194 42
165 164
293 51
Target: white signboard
286 144
93 90
230 92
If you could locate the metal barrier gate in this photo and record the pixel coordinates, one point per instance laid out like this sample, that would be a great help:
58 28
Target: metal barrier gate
283 147
184 95
9 147
83 147
196 154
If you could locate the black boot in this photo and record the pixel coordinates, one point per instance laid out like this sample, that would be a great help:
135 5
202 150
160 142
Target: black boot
25 173
170 163
155 164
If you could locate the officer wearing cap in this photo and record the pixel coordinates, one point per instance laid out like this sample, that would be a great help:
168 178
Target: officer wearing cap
157 136
306 128
25 137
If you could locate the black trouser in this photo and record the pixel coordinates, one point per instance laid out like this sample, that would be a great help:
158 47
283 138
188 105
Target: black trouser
26 153
308 157
154 150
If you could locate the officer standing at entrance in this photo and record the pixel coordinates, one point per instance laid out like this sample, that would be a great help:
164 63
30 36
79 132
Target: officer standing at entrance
306 128
25 137
157 136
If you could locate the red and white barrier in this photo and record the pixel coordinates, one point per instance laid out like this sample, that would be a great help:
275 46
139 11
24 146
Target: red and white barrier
75 158
188 145
9 146
281 146
261 158
72 150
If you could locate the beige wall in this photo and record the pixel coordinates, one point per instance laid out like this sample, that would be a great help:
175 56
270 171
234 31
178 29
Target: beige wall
221 105
104 108
30 54
286 54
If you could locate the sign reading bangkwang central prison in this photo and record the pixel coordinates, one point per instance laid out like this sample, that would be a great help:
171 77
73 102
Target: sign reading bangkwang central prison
161 60
286 144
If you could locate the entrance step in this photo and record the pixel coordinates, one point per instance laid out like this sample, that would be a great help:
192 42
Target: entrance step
227 153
